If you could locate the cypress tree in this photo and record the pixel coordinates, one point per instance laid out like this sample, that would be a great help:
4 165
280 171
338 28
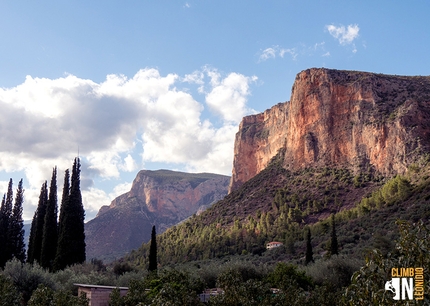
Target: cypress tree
309 253
59 261
153 252
71 234
30 250
78 208
333 243
6 216
3 232
65 196
50 234
16 227
36 234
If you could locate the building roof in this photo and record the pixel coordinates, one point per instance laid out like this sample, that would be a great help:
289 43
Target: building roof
275 242
100 286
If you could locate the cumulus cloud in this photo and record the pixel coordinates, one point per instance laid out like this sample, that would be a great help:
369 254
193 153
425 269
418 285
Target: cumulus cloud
228 96
344 35
118 125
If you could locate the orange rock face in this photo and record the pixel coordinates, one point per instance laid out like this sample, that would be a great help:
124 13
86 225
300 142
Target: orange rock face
356 120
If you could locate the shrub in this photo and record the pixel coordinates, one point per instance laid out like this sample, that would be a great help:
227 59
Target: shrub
335 272
9 295
26 278
285 273
44 296
413 248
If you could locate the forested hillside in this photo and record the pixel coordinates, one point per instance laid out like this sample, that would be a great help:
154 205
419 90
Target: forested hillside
279 205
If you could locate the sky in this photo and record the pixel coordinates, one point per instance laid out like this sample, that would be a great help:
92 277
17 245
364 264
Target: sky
133 85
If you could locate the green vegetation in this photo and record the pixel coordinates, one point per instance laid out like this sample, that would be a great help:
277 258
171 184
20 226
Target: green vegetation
334 247
244 279
412 250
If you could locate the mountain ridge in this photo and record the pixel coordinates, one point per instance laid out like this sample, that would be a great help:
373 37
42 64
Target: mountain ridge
161 198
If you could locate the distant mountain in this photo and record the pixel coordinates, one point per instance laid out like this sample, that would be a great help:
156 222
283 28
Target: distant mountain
161 198
27 228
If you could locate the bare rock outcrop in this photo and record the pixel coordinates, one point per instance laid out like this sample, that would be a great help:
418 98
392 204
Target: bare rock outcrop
357 120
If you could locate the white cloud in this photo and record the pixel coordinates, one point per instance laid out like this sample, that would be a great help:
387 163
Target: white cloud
344 35
267 54
228 96
45 122
120 189
276 51
94 198
129 164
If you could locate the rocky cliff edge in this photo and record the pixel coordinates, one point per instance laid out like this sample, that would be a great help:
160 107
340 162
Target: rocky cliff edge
357 120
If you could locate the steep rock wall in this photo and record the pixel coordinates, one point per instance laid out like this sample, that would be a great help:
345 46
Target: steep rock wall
357 120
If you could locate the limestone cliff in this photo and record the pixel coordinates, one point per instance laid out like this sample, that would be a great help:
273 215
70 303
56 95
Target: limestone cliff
161 198
357 120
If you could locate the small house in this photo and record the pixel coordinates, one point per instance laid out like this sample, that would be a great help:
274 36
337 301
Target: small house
273 244
98 295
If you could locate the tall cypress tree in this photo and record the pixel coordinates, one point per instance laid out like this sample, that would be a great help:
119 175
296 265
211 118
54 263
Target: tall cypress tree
6 216
16 227
71 235
30 249
50 230
36 233
334 248
59 256
309 253
3 232
153 251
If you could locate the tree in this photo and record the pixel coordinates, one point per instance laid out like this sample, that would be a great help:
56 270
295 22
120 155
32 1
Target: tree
16 227
71 234
58 262
36 232
9 295
153 251
30 250
4 227
3 232
309 252
334 248
50 234
6 216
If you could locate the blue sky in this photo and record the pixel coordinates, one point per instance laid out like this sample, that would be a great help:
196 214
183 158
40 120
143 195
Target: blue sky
163 84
